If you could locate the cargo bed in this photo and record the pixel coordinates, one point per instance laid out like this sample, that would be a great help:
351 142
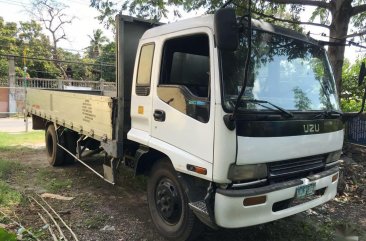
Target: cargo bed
86 112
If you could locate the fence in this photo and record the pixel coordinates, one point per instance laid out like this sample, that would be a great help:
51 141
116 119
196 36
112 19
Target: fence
356 130
12 93
58 84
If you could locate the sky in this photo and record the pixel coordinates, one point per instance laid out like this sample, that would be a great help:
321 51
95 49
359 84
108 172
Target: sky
86 22
77 32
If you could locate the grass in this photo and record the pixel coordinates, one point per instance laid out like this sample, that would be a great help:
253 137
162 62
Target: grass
5 235
96 221
51 183
8 196
19 139
7 168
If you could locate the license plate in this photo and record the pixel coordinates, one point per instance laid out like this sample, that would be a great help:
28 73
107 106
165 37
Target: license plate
305 190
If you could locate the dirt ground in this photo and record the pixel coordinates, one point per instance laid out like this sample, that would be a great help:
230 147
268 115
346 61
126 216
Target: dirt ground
100 211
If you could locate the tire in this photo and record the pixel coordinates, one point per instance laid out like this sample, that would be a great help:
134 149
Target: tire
55 155
168 204
71 138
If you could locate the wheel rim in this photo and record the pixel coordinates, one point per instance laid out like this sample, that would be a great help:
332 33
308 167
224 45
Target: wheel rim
168 201
49 145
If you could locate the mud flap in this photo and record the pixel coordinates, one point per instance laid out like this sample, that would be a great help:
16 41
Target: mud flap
109 170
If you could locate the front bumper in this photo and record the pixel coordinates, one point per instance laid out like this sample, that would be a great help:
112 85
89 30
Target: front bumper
231 213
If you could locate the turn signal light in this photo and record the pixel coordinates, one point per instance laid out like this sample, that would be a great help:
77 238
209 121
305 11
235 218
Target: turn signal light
251 201
335 177
199 170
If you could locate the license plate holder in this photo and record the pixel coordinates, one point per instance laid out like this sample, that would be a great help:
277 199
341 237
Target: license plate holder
305 190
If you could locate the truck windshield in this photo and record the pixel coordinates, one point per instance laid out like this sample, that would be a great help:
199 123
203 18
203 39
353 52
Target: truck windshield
287 72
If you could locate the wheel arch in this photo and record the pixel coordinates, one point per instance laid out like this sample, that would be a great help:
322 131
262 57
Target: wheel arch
39 123
47 123
145 158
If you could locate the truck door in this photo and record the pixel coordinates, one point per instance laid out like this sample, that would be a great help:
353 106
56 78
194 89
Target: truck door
182 103
141 103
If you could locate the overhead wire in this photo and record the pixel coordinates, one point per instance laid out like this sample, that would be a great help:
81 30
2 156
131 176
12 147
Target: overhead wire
348 42
59 61
66 49
14 3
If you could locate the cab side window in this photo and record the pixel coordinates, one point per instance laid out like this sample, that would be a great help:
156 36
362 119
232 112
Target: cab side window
143 79
185 76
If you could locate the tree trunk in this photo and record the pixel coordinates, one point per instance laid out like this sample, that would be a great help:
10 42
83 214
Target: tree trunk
55 55
341 15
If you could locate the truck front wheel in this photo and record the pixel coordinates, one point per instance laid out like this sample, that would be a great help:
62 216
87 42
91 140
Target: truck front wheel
168 204
55 155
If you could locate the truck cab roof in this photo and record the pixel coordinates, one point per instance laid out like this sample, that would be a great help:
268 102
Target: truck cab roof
208 21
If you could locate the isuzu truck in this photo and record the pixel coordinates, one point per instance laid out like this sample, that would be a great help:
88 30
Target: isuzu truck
224 140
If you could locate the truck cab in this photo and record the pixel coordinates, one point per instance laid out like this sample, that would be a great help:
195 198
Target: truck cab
280 158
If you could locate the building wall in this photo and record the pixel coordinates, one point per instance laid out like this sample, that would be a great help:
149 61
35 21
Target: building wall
4 101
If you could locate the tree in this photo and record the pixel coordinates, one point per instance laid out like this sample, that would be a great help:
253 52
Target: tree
352 93
108 55
96 42
8 32
335 15
38 46
52 14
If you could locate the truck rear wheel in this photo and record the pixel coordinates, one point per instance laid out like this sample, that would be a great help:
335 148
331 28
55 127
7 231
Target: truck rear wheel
168 204
55 155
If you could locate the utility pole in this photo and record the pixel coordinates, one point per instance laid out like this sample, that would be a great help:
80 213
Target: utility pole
12 92
25 88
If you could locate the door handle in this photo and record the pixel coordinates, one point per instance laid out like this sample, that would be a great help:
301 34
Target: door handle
159 115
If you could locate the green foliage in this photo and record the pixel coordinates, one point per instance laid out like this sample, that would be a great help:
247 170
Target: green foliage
108 55
322 13
107 9
350 105
351 94
8 33
301 100
38 47
96 42
5 235
12 41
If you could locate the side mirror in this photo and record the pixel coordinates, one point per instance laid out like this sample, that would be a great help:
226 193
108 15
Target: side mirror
226 29
362 74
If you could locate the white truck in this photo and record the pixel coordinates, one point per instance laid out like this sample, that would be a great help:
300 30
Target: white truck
218 148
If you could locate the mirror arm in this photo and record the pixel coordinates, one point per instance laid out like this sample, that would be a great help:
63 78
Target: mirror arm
363 103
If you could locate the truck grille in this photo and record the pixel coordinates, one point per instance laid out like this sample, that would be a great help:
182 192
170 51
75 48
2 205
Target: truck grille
295 168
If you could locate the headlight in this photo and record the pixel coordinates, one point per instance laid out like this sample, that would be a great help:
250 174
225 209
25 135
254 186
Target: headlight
247 172
334 156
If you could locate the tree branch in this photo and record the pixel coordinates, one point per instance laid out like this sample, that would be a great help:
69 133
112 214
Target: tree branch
363 32
320 4
358 9
292 21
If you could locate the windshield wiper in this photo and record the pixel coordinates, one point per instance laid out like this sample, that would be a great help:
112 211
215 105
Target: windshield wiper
231 118
284 112
329 113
